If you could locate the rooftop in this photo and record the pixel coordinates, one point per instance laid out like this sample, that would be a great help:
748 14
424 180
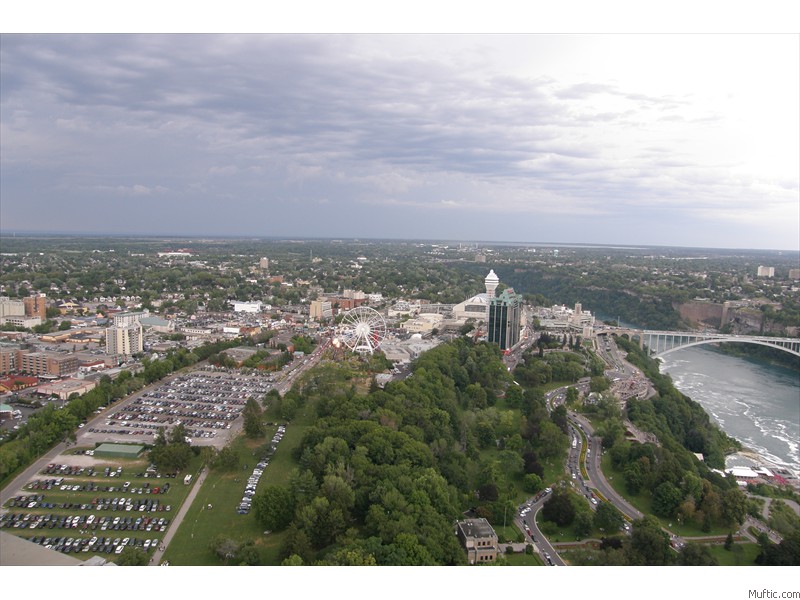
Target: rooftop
476 528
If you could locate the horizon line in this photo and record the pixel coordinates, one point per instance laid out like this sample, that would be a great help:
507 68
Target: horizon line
156 236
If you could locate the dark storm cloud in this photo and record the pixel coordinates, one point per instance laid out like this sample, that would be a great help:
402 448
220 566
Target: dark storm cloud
266 126
286 93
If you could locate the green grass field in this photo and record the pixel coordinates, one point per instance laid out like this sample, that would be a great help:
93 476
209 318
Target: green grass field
734 558
223 491
509 533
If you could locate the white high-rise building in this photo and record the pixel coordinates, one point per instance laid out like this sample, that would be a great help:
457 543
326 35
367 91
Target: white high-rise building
125 340
766 271
11 308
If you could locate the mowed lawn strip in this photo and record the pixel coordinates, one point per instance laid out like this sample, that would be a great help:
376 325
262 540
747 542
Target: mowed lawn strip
740 554
522 559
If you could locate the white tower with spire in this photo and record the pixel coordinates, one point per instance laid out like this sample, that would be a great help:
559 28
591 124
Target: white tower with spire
491 281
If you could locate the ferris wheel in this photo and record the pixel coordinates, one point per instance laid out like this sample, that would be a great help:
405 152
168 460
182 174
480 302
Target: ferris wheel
362 330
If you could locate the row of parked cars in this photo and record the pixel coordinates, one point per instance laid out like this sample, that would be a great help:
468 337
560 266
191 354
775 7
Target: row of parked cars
121 431
82 522
145 488
58 484
130 504
45 484
50 484
25 501
258 471
99 545
56 469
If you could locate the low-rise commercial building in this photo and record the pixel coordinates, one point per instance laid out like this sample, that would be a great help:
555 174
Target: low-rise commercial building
479 540
64 389
423 323
248 307
21 321
49 364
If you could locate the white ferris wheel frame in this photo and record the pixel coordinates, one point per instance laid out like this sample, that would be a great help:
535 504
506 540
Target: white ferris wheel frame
362 330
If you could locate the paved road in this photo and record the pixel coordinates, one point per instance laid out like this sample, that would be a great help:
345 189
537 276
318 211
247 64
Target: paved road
540 543
749 522
16 486
596 477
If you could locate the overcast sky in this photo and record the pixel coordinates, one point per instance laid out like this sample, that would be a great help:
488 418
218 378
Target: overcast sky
688 140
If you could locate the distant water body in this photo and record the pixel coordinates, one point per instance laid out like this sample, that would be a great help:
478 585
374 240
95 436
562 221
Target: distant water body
753 401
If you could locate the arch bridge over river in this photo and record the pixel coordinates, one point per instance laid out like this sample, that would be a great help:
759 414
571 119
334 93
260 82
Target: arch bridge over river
660 343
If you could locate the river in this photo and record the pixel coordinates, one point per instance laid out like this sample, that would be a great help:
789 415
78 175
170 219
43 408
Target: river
753 401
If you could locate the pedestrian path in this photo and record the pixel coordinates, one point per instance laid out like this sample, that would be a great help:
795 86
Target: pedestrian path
159 553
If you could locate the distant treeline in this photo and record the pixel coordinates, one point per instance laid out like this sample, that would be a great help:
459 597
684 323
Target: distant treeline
600 294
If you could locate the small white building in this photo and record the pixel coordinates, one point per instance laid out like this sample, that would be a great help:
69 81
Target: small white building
247 307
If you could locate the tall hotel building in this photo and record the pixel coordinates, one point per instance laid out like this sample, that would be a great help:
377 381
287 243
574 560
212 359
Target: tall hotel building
125 339
505 313
36 306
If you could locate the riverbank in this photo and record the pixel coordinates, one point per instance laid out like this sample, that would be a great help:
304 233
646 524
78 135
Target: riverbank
752 401
748 458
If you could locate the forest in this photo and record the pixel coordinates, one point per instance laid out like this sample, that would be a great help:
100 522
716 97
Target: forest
382 476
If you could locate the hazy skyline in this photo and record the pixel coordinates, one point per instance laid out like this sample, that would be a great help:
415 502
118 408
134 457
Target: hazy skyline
685 140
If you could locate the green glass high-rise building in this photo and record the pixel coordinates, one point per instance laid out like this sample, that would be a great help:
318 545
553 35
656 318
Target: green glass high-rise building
505 313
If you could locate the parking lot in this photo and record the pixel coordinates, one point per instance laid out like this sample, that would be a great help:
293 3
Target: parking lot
84 504
206 403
